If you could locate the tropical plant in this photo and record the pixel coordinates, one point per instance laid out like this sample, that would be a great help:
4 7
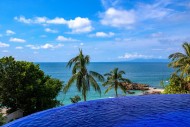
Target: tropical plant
177 85
115 80
180 80
2 119
75 99
81 76
181 61
24 86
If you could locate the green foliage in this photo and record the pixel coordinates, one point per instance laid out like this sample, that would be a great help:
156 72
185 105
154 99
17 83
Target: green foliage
177 85
81 76
114 80
2 119
24 86
75 99
181 62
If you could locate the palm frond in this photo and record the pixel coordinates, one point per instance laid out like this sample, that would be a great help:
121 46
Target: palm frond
70 82
125 80
186 47
107 83
75 68
107 74
121 72
122 88
87 59
109 88
72 61
97 75
176 55
94 84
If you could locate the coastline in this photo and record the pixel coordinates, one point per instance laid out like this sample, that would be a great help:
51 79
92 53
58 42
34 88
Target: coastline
153 90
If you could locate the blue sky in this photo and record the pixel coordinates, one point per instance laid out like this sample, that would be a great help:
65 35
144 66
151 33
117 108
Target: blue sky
107 30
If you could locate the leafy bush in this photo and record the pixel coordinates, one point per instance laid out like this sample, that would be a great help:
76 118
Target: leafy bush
177 85
2 119
24 86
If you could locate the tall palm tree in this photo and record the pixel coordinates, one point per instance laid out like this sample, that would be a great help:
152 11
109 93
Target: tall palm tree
114 80
181 61
81 76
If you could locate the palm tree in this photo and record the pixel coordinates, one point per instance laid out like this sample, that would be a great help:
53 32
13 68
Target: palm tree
81 76
114 80
181 61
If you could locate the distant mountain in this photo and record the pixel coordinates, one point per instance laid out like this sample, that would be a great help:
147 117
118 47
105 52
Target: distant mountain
149 60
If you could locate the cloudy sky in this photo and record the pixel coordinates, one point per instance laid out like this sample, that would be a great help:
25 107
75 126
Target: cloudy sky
107 30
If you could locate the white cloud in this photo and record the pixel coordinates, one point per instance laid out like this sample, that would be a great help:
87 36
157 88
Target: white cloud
81 44
50 46
110 3
77 25
102 34
118 18
33 47
17 40
37 20
57 20
40 20
9 32
141 12
134 56
23 20
45 46
18 47
50 30
62 38
4 44
1 35
157 10
80 25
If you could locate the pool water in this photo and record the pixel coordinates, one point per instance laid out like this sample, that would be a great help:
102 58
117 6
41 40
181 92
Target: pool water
148 111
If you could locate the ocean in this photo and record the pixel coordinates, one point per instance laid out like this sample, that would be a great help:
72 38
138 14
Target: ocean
139 72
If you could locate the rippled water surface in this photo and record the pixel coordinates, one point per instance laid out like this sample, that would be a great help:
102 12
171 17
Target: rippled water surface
148 73
148 111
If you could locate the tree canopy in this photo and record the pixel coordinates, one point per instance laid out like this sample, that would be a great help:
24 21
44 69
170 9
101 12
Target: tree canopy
24 86
180 80
181 61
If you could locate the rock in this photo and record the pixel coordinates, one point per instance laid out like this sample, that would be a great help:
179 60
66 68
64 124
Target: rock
135 86
153 92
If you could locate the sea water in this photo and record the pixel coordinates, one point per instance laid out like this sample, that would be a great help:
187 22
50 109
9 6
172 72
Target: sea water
138 72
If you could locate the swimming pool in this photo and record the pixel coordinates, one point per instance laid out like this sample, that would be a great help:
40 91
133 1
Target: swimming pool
149 111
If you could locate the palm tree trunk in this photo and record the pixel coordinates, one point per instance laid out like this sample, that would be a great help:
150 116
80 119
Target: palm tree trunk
116 91
84 96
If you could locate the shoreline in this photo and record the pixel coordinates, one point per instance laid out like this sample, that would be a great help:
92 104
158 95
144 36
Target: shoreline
153 90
